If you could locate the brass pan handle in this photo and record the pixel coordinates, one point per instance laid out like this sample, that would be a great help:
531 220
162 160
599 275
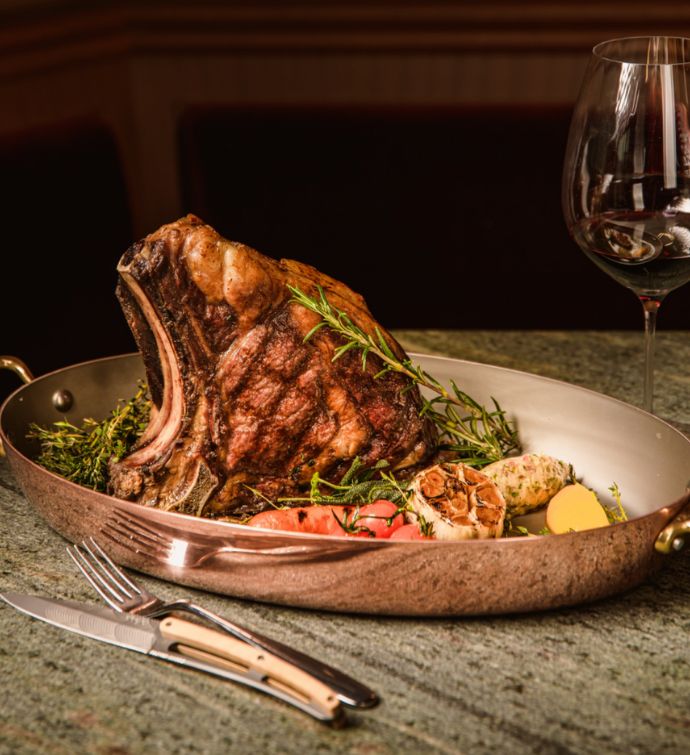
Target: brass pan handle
672 537
19 368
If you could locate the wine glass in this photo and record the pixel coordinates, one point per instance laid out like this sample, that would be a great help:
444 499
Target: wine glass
626 178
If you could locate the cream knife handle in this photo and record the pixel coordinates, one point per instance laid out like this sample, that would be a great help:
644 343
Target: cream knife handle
349 690
219 648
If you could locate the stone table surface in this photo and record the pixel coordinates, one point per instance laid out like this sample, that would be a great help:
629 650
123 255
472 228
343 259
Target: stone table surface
610 677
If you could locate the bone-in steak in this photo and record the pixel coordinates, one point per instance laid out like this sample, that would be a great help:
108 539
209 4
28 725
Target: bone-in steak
243 407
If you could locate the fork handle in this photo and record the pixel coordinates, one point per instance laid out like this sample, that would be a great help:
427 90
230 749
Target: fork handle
348 690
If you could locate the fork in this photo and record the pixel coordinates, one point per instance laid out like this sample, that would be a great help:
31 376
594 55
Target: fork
135 534
126 596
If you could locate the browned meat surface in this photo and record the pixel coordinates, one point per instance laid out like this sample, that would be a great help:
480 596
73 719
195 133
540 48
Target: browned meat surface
241 403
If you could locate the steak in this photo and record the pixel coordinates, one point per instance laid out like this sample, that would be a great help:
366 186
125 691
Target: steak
244 409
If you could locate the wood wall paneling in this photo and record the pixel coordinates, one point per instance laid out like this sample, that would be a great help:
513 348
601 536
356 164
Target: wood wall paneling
138 66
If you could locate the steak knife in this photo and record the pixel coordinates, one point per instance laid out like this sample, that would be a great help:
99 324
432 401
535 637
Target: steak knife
190 645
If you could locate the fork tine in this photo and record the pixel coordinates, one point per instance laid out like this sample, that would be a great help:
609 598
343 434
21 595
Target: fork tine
97 563
93 578
140 525
125 529
103 556
131 540
121 533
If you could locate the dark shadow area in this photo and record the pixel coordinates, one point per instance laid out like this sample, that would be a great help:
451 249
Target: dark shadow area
444 218
64 196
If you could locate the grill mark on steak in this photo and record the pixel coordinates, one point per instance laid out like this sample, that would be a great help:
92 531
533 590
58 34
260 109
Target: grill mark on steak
240 400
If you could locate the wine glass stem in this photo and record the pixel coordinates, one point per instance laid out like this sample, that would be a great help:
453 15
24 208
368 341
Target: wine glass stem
651 307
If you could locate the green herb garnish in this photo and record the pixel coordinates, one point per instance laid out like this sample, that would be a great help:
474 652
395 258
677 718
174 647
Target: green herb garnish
618 514
478 436
360 485
510 529
81 454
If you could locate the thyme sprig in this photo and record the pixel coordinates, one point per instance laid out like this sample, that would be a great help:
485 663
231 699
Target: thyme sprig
81 454
618 514
478 436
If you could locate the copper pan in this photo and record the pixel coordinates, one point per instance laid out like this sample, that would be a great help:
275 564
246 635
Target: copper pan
606 441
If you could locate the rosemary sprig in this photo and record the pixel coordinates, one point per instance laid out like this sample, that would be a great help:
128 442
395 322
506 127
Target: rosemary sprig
355 338
359 485
478 436
81 454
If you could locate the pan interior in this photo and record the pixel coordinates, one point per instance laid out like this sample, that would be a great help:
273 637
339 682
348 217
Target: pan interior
95 387
607 441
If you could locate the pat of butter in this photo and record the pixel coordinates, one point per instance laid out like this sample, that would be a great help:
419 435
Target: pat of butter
575 507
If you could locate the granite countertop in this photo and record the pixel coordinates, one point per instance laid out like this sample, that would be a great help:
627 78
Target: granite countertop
610 677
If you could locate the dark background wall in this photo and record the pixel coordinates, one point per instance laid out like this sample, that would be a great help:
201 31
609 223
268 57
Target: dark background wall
412 151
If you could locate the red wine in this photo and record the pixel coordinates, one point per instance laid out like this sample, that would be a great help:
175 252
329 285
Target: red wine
644 251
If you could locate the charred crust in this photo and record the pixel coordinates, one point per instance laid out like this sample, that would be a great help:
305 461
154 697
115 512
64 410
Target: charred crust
131 253
277 409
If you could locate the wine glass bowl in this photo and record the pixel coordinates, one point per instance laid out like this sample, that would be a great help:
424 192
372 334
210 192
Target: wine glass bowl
626 177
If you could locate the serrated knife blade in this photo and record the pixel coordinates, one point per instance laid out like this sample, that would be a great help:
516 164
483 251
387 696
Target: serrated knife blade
98 623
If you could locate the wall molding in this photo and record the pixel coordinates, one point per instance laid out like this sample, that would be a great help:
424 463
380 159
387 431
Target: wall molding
34 37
